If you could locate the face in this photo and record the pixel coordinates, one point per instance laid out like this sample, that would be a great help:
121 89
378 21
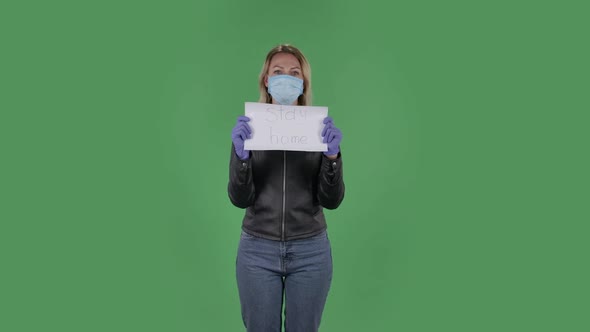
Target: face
283 64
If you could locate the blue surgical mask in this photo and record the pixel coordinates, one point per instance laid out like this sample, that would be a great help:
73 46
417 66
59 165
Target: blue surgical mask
285 89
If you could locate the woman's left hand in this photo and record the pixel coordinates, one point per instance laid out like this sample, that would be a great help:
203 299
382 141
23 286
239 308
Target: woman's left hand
332 136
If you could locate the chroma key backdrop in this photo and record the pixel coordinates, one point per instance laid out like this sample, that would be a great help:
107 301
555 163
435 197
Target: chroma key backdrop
465 159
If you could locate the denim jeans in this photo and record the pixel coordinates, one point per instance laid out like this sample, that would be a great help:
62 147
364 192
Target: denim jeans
299 270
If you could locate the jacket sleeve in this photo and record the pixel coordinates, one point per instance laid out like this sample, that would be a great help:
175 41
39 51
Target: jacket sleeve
241 185
331 183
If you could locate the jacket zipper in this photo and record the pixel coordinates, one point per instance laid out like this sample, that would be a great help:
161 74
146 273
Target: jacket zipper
284 184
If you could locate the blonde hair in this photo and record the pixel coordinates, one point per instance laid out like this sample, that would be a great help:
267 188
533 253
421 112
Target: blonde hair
305 98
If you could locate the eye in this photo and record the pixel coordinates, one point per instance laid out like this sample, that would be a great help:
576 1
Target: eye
278 72
295 73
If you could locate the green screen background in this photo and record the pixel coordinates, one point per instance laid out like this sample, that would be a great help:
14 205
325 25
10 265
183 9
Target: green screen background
465 157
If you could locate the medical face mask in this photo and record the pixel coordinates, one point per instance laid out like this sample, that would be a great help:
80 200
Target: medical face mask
285 89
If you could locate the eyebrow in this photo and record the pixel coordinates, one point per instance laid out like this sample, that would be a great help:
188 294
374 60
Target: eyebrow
283 67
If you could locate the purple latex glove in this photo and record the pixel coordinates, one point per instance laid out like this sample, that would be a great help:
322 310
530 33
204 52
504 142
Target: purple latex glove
239 134
332 136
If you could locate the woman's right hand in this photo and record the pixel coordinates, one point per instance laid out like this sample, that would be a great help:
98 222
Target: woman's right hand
239 134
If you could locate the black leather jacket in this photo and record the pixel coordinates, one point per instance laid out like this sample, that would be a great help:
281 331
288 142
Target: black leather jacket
284 192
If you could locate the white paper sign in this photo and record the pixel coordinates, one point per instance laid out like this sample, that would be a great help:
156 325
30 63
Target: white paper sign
282 127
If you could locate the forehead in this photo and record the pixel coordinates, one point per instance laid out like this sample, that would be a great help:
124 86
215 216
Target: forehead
284 60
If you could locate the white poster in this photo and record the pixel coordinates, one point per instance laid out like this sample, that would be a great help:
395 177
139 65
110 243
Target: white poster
282 127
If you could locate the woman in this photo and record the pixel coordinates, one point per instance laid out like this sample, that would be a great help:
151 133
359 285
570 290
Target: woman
284 249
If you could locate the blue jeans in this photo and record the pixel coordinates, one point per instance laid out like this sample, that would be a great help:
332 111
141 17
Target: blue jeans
301 270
